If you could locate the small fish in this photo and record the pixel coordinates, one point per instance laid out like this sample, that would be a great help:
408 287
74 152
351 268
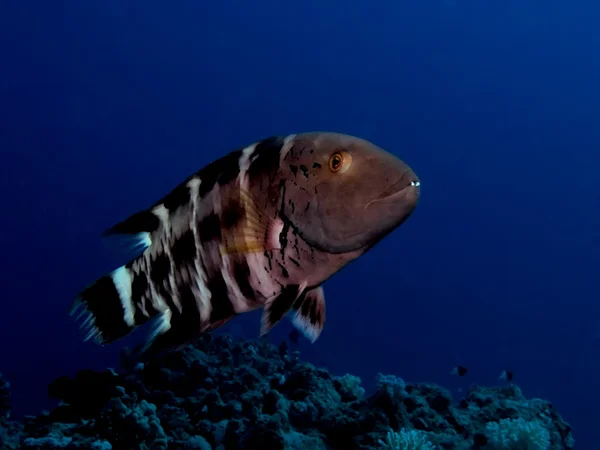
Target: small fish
262 227
507 375
459 371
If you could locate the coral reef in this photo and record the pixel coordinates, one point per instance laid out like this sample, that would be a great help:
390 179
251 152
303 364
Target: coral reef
10 431
225 394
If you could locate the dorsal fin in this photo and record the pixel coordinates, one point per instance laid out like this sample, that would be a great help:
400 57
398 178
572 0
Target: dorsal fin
149 220
135 233
143 224
220 171
140 222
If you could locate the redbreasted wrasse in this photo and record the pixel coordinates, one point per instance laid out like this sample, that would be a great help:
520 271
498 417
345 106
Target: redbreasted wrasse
262 227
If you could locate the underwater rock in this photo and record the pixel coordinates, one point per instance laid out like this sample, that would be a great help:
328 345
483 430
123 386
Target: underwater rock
224 394
10 431
4 399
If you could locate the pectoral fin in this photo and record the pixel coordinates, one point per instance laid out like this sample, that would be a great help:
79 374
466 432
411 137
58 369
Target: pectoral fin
254 231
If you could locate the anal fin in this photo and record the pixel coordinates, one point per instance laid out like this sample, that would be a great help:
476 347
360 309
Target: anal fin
174 329
309 313
279 306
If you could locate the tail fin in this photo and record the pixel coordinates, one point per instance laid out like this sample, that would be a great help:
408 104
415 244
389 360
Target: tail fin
109 309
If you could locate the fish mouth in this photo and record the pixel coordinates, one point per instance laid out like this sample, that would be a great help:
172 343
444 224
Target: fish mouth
400 188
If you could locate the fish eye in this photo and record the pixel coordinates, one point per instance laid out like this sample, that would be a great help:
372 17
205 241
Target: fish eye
335 162
339 162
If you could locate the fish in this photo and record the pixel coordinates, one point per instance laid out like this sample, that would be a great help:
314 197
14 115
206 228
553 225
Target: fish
506 375
459 371
264 226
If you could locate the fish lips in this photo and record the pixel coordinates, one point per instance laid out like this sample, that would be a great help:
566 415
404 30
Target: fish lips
406 190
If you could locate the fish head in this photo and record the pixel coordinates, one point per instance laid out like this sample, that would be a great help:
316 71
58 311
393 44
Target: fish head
345 193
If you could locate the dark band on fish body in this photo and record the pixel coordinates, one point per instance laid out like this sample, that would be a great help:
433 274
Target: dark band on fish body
139 287
222 170
160 269
184 250
140 297
209 228
241 275
221 306
178 197
265 158
189 319
103 302
232 214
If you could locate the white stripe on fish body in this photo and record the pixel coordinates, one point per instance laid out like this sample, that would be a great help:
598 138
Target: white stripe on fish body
200 289
194 187
136 269
238 300
123 280
162 213
287 146
142 265
158 301
215 195
202 294
244 163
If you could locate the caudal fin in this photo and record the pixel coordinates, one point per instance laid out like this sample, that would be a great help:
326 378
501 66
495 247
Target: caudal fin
107 308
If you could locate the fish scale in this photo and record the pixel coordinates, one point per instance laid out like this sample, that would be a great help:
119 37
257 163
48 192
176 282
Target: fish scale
250 230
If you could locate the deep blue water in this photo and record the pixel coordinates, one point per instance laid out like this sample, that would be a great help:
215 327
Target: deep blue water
105 106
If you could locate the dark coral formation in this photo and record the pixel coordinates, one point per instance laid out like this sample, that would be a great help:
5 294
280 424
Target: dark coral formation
10 431
226 394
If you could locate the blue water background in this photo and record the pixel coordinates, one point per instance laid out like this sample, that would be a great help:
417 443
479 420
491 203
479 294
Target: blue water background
107 105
